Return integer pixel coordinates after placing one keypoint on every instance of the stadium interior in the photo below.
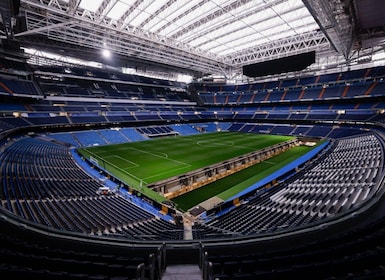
(97, 94)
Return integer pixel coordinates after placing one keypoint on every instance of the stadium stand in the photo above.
(53, 216)
(312, 196)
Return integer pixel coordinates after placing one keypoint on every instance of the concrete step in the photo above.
(182, 271)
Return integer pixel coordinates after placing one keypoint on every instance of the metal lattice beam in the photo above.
(163, 8)
(251, 39)
(310, 41)
(73, 5)
(334, 22)
(201, 36)
(92, 32)
(225, 10)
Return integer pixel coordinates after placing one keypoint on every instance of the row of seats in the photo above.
(33, 119)
(322, 131)
(354, 254)
(42, 183)
(31, 256)
(132, 134)
(124, 106)
(101, 74)
(325, 190)
(305, 81)
(369, 88)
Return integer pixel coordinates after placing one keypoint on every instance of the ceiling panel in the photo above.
(202, 35)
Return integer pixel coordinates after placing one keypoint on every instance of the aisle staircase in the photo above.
(182, 271)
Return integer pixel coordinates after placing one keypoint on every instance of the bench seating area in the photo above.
(346, 177)
(42, 183)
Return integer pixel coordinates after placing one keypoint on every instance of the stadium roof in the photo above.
(202, 37)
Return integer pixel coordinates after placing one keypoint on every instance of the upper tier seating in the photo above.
(339, 91)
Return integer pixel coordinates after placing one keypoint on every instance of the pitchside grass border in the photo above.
(140, 163)
(229, 186)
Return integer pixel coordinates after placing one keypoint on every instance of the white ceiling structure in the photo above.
(198, 37)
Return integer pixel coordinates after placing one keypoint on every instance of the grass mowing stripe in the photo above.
(184, 154)
(191, 155)
(266, 169)
(118, 160)
(165, 156)
(233, 184)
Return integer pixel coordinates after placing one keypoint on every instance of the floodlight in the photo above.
(106, 53)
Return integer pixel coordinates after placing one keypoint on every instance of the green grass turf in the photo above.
(145, 162)
(233, 184)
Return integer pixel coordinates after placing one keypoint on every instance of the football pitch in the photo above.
(138, 164)
(229, 186)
